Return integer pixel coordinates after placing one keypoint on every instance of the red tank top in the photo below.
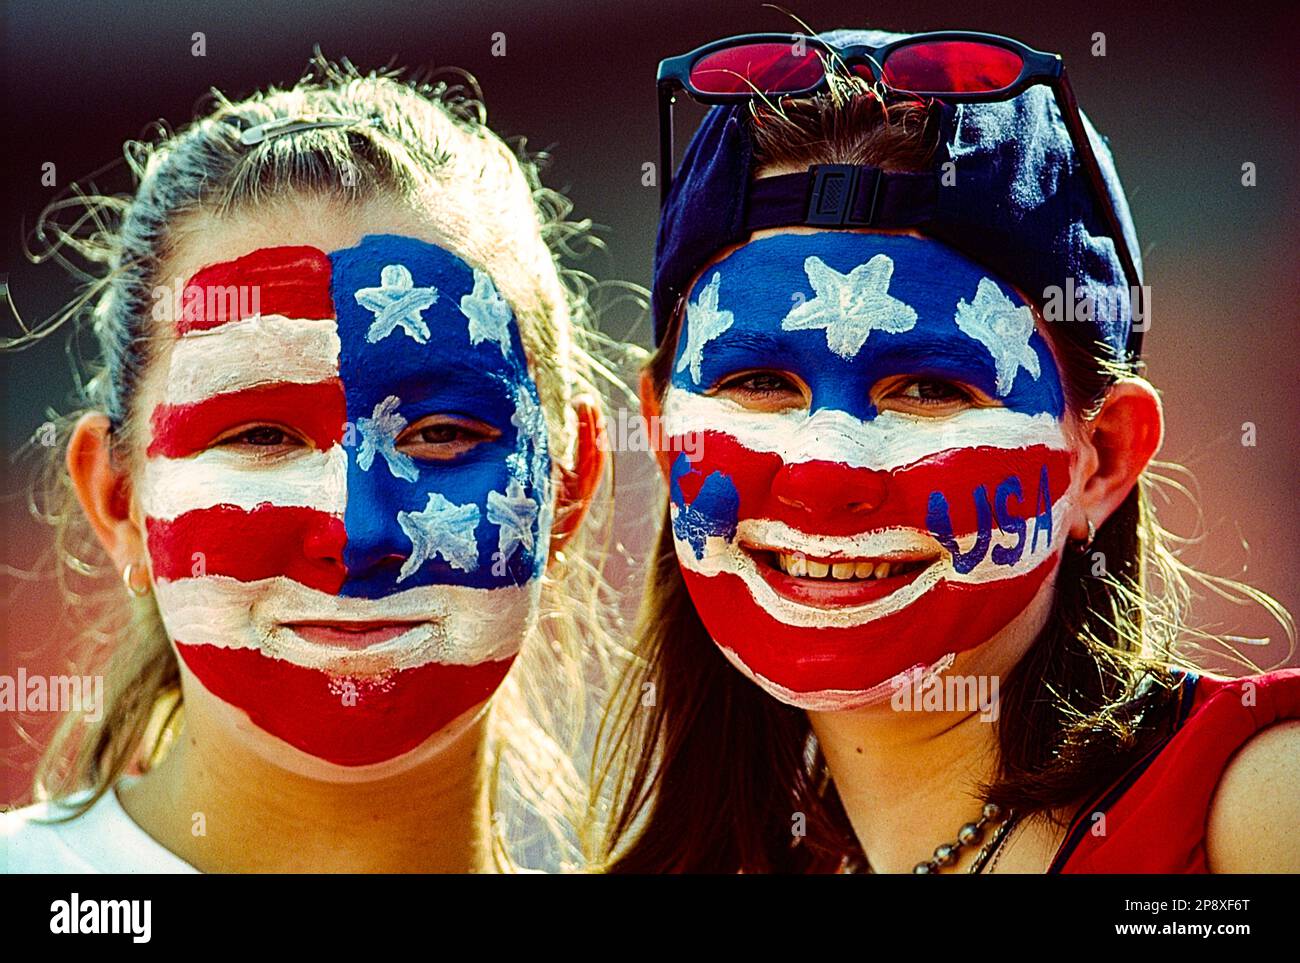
(1156, 813)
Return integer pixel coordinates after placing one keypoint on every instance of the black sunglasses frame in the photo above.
(1037, 67)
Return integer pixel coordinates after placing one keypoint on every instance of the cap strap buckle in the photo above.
(837, 192)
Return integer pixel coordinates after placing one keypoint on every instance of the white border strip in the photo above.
(889, 441)
(460, 625)
(256, 351)
(310, 479)
(835, 700)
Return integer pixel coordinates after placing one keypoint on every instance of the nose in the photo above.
(376, 545)
(372, 546)
(325, 543)
(826, 488)
(320, 564)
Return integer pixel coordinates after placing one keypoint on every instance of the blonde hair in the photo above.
(413, 142)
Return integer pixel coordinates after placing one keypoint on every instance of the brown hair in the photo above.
(707, 776)
(425, 137)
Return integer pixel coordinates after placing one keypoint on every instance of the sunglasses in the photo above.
(958, 66)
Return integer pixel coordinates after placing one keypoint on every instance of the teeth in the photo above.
(798, 565)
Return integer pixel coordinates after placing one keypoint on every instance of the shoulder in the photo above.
(1256, 807)
(1217, 795)
(43, 839)
(33, 843)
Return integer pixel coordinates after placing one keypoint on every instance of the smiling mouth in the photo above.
(350, 635)
(843, 570)
(836, 581)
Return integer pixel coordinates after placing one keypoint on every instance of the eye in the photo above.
(444, 437)
(763, 390)
(262, 439)
(932, 392)
(931, 395)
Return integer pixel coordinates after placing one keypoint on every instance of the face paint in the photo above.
(350, 597)
(933, 531)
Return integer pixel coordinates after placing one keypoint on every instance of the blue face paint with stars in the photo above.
(422, 333)
(844, 310)
(828, 543)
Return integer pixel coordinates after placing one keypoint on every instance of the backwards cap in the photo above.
(1021, 204)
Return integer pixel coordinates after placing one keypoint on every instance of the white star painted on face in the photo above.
(379, 436)
(996, 322)
(488, 312)
(527, 417)
(514, 513)
(397, 302)
(704, 322)
(441, 529)
(530, 425)
(850, 306)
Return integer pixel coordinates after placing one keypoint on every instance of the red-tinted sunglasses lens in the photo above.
(952, 66)
(772, 68)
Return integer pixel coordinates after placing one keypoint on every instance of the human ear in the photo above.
(104, 491)
(651, 416)
(1119, 444)
(578, 484)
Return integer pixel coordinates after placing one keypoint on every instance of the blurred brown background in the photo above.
(1187, 94)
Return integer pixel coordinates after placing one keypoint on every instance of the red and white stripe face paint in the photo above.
(882, 475)
(347, 493)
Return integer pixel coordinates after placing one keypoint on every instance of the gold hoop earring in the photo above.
(1087, 543)
(127, 580)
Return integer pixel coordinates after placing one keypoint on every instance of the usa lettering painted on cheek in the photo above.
(830, 546)
(353, 598)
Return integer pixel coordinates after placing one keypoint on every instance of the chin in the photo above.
(300, 721)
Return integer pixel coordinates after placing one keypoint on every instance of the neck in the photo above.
(909, 779)
(430, 818)
(907, 784)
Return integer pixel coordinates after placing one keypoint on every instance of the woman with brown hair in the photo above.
(910, 609)
(338, 451)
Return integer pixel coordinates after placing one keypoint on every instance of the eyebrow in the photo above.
(745, 340)
(951, 352)
(486, 384)
(955, 351)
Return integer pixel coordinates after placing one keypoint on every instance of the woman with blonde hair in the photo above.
(910, 609)
(342, 441)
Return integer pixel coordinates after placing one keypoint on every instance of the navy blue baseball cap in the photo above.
(1019, 202)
